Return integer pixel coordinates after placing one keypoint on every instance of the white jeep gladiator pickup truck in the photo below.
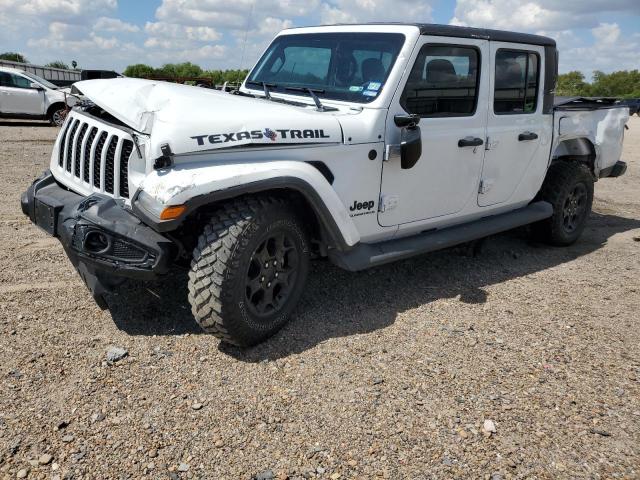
(361, 143)
(28, 96)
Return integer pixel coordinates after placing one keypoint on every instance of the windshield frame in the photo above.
(35, 78)
(326, 91)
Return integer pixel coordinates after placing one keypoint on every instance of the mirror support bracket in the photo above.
(392, 153)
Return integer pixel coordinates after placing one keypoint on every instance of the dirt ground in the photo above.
(389, 373)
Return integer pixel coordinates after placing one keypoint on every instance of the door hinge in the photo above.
(388, 202)
(490, 144)
(485, 186)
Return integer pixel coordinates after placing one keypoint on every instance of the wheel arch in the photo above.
(578, 149)
(305, 201)
(53, 107)
(204, 188)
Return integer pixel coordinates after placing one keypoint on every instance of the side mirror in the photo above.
(36, 86)
(407, 121)
(410, 140)
(410, 147)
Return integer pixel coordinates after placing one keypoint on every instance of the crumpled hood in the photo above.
(191, 119)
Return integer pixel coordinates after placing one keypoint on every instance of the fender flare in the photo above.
(50, 108)
(341, 232)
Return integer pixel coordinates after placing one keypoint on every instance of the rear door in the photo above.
(516, 135)
(447, 85)
(17, 96)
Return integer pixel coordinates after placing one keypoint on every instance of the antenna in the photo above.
(246, 33)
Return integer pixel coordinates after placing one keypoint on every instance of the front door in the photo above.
(448, 87)
(517, 137)
(17, 96)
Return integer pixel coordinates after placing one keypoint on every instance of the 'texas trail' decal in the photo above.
(272, 135)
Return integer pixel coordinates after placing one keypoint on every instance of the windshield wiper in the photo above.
(265, 86)
(312, 92)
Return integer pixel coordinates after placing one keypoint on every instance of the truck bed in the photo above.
(600, 120)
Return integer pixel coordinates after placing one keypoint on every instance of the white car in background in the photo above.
(28, 96)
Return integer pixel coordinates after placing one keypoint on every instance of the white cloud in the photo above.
(236, 14)
(58, 9)
(108, 24)
(609, 52)
(606, 34)
(230, 34)
(63, 37)
(270, 26)
(353, 11)
(532, 15)
(182, 32)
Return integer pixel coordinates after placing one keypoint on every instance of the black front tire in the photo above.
(569, 189)
(58, 116)
(248, 270)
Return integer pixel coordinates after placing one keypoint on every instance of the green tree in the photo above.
(14, 57)
(57, 64)
(234, 76)
(617, 84)
(184, 70)
(74, 64)
(215, 76)
(139, 70)
(572, 84)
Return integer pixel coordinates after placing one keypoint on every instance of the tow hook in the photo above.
(166, 160)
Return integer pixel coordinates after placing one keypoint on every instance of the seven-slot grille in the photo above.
(95, 156)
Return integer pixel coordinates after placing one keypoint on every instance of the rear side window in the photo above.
(516, 82)
(443, 82)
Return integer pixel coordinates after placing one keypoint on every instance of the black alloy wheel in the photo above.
(272, 273)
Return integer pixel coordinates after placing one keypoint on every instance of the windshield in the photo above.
(352, 67)
(40, 80)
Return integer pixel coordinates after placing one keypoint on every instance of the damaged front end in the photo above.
(104, 241)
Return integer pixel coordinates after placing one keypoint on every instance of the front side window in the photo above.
(516, 82)
(443, 82)
(40, 80)
(15, 81)
(6, 80)
(352, 67)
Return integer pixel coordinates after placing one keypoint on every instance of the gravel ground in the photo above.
(523, 362)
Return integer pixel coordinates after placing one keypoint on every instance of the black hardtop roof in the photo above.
(485, 34)
(470, 32)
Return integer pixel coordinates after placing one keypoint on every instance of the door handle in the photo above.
(470, 142)
(523, 137)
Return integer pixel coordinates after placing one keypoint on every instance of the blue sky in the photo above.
(591, 34)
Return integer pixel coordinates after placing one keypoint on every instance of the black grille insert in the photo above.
(109, 165)
(78, 145)
(69, 143)
(87, 154)
(63, 140)
(127, 148)
(98, 159)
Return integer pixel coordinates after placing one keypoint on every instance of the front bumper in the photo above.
(104, 241)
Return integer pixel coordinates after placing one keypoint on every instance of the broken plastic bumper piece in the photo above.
(104, 241)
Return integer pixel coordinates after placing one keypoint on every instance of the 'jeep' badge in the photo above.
(362, 208)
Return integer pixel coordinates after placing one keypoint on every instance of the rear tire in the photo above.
(569, 189)
(248, 270)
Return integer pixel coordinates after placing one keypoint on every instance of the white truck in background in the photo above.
(24, 95)
(365, 144)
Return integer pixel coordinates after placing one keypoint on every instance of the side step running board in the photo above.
(366, 255)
